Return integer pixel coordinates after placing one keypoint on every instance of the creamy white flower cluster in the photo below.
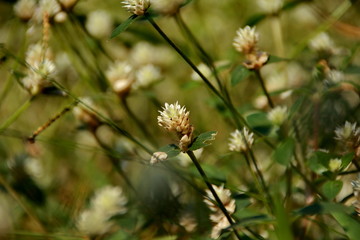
(246, 42)
(349, 135)
(175, 118)
(137, 7)
(107, 202)
(241, 141)
(217, 216)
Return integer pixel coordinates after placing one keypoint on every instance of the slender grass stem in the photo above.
(262, 83)
(16, 114)
(208, 184)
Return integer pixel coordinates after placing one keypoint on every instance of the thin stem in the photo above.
(16, 114)
(208, 184)
(253, 174)
(262, 83)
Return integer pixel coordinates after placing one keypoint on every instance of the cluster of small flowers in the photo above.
(41, 67)
(175, 118)
(322, 43)
(349, 134)
(33, 10)
(217, 216)
(107, 202)
(246, 42)
(241, 141)
(278, 115)
(165, 7)
(356, 189)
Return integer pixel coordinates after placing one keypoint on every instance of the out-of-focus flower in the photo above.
(323, 43)
(216, 230)
(278, 115)
(204, 69)
(36, 53)
(166, 7)
(99, 24)
(270, 6)
(60, 17)
(246, 42)
(25, 9)
(137, 7)
(85, 115)
(241, 141)
(158, 157)
(93, 222)
(334, 164)
(49, 7)
(335, 76)
(146, 75)
(110, 200)
(188, 222)
(175, 118)
(347, 132)
(120, 75)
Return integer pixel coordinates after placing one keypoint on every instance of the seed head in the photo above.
(138, 7)
(241, 141)
(246, 40)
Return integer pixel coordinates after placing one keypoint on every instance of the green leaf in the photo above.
(284, 152)
(350, 225)
(319, 161)
(346, 160)
(323, 208)
(259, 122)
(238, 74)
(166, 238)
(202, 140)
(332, 188)
(352, 69)
(171, 150)
(283, 223)
(255, 19)
(123, 26)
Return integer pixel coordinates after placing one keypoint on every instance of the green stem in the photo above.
(16, 114)
(262, 83)
(208, 184)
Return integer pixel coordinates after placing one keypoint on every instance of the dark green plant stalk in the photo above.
(208, 184)
(262, 83)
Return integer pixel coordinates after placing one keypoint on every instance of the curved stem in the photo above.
(208, 184)
(262, 83)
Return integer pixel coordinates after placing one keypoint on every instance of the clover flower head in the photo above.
(93, 222)
(225, 197)
(146, 75)
(25, 9)
(241, 141)
(120, 75)
(109, 200)
(278, 115)
(322, 43)
(137, 7)
(347, 132)
(216, 230)
(99, 24)
(158, 157)
(246, 40)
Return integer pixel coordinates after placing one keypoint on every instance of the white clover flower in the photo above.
(240, 141)
(335, 76)
(188, 222)
(278, 115)
(93, 222)
(204, 69)
(216, 230)
(225, 197)
(120, 75)
(99, 24)
(166, 7)
(109, 200)
(146, 75)
(334, 164)
(322, 42)
(36, 54)
(50, 7)
(347, 131)
(158, 157)
(270, 6)
(137, 7)
(25, 9)
(142, 54)
(246, 40)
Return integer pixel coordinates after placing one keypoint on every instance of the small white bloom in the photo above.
(246, 40)
(241, 141)
(216, 230)
(173, 117)
(146, 75)
(109, 200)
(270, 6)
(334, 164)
(99, 24)
(93, 222)
(322, 42)
(225, 197)
(25, 9)
(137, 7)
(158, 157)
(204, 69)
(120, 75)
(278, 115)
(188, 222)
(166, 7)
(36, 54)
(347, 131)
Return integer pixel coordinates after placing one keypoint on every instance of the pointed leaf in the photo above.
(284, 152)
(202, 140)
(332, 188)
(350, 225)
(123, 26)
(238, 74)
(259, 122)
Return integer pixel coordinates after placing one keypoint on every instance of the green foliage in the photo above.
(123, 26)
(202, 140)
(283, 153)
(239, 74)
(332, 188)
